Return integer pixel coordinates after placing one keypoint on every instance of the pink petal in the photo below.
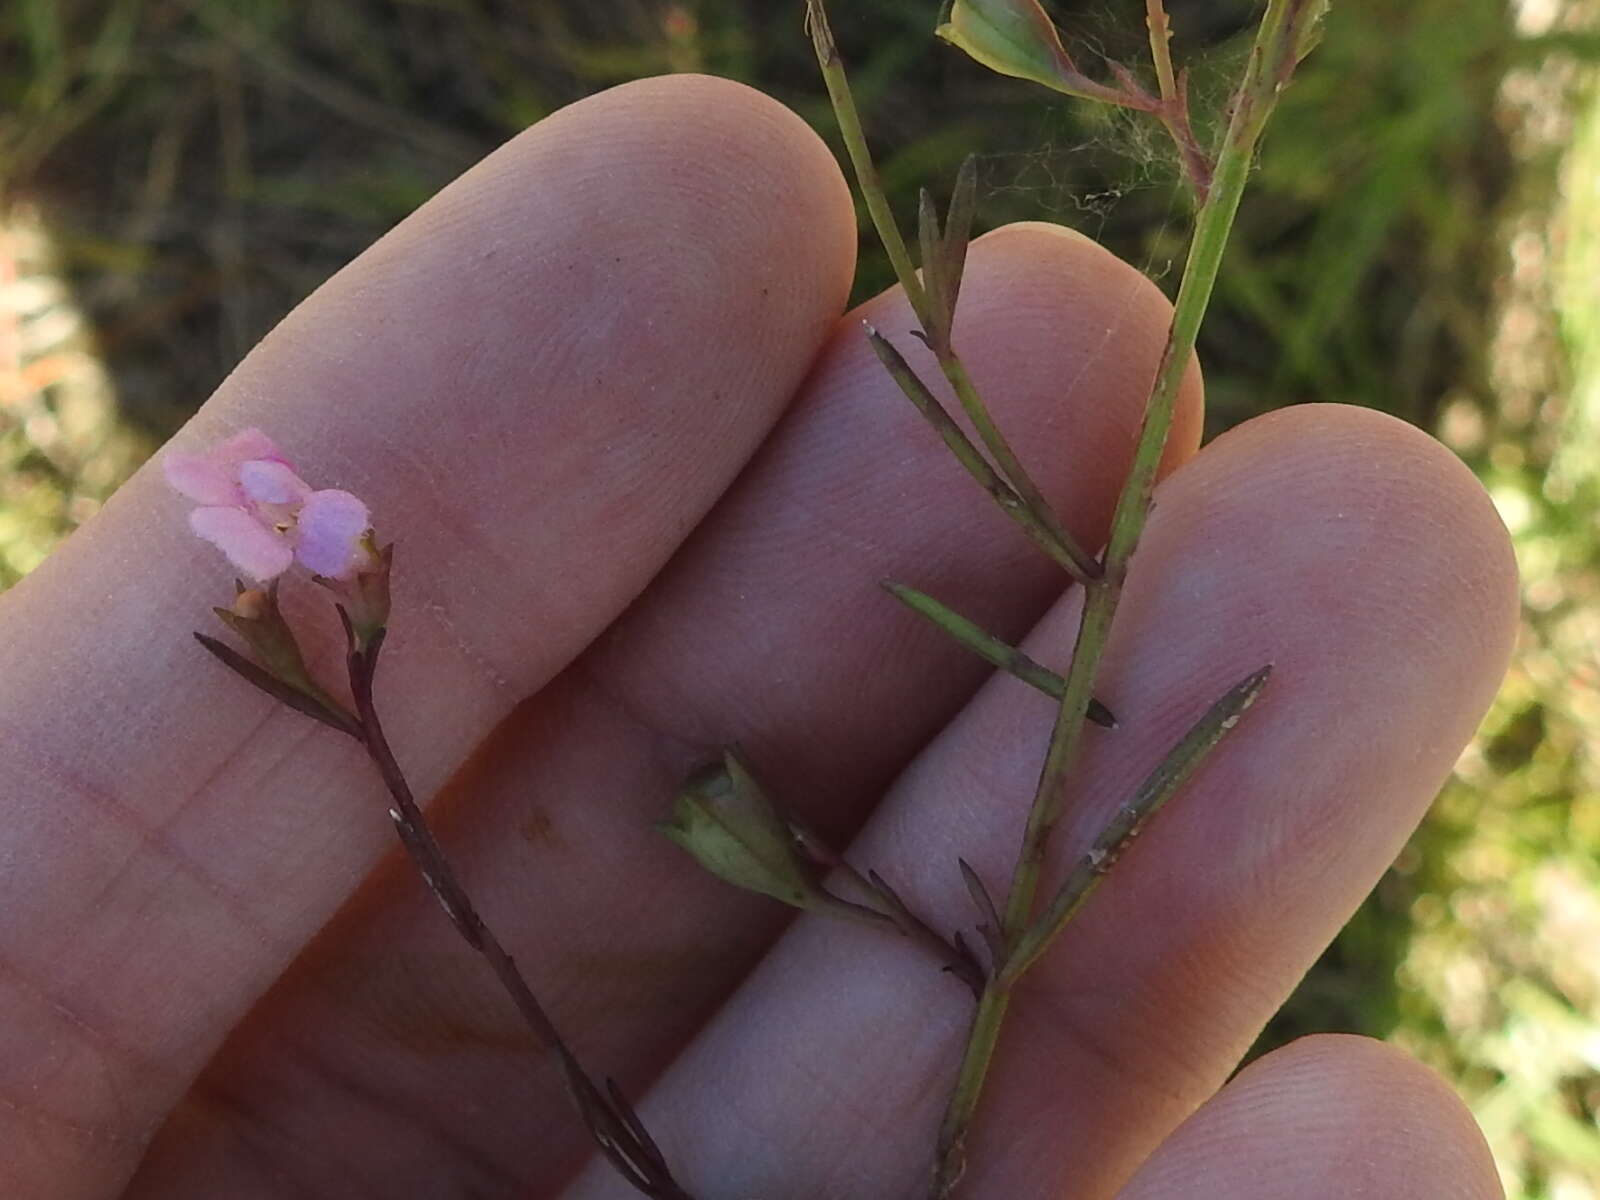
(212, 477)
(270, 481)
(200, 479)
(251, 546)
(332, 524)
(247, 444)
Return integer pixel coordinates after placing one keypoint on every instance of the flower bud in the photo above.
(1013, 37)
(364, 595)
(256, 617)
(723, 818)
(369, 608)
(250, 604)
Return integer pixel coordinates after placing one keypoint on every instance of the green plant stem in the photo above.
(1174, 770)
(1279, 39)
(1159, 786)
(1030, 517)
(1065, 550)
(855, 144)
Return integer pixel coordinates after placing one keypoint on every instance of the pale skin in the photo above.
(643, 474)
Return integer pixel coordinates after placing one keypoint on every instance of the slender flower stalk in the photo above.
(613, 1124)
(1161, 48)
(725, 819)
(1174, 107)
(265, 519)
(855, 142)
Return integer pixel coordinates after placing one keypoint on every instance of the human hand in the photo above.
(643, 479)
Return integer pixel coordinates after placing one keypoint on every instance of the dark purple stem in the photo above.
(612, 1124)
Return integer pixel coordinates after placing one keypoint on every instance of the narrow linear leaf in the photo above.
(933, 271)
(958, 228)
(889, 895)
(981, 899)
(617, 1156)
(871, 187)
(1016, 494)
(1312, 29)
(1077, 564)
(274, 687)
(352, 644)
(991, 649)
(955, 956)
(989, 921)
(1179, 763)
(971, 965)
(954, 438)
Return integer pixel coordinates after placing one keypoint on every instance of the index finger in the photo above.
(539, 383)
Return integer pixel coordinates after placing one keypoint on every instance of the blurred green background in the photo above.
(1423, 237)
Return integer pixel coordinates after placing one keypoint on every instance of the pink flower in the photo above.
(263, 516)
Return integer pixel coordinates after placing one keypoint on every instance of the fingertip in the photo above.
(1418, 554)
(1055, 270)
(1065, 271)
(737, 144)
(1327, 1116)
(1368, 565)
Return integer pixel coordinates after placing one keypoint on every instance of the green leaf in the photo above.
(1171, 773)
(958, 225)
(296, 699)
(940, 303)
(991, 649)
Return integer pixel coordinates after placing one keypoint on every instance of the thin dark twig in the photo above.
(636, 1159)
